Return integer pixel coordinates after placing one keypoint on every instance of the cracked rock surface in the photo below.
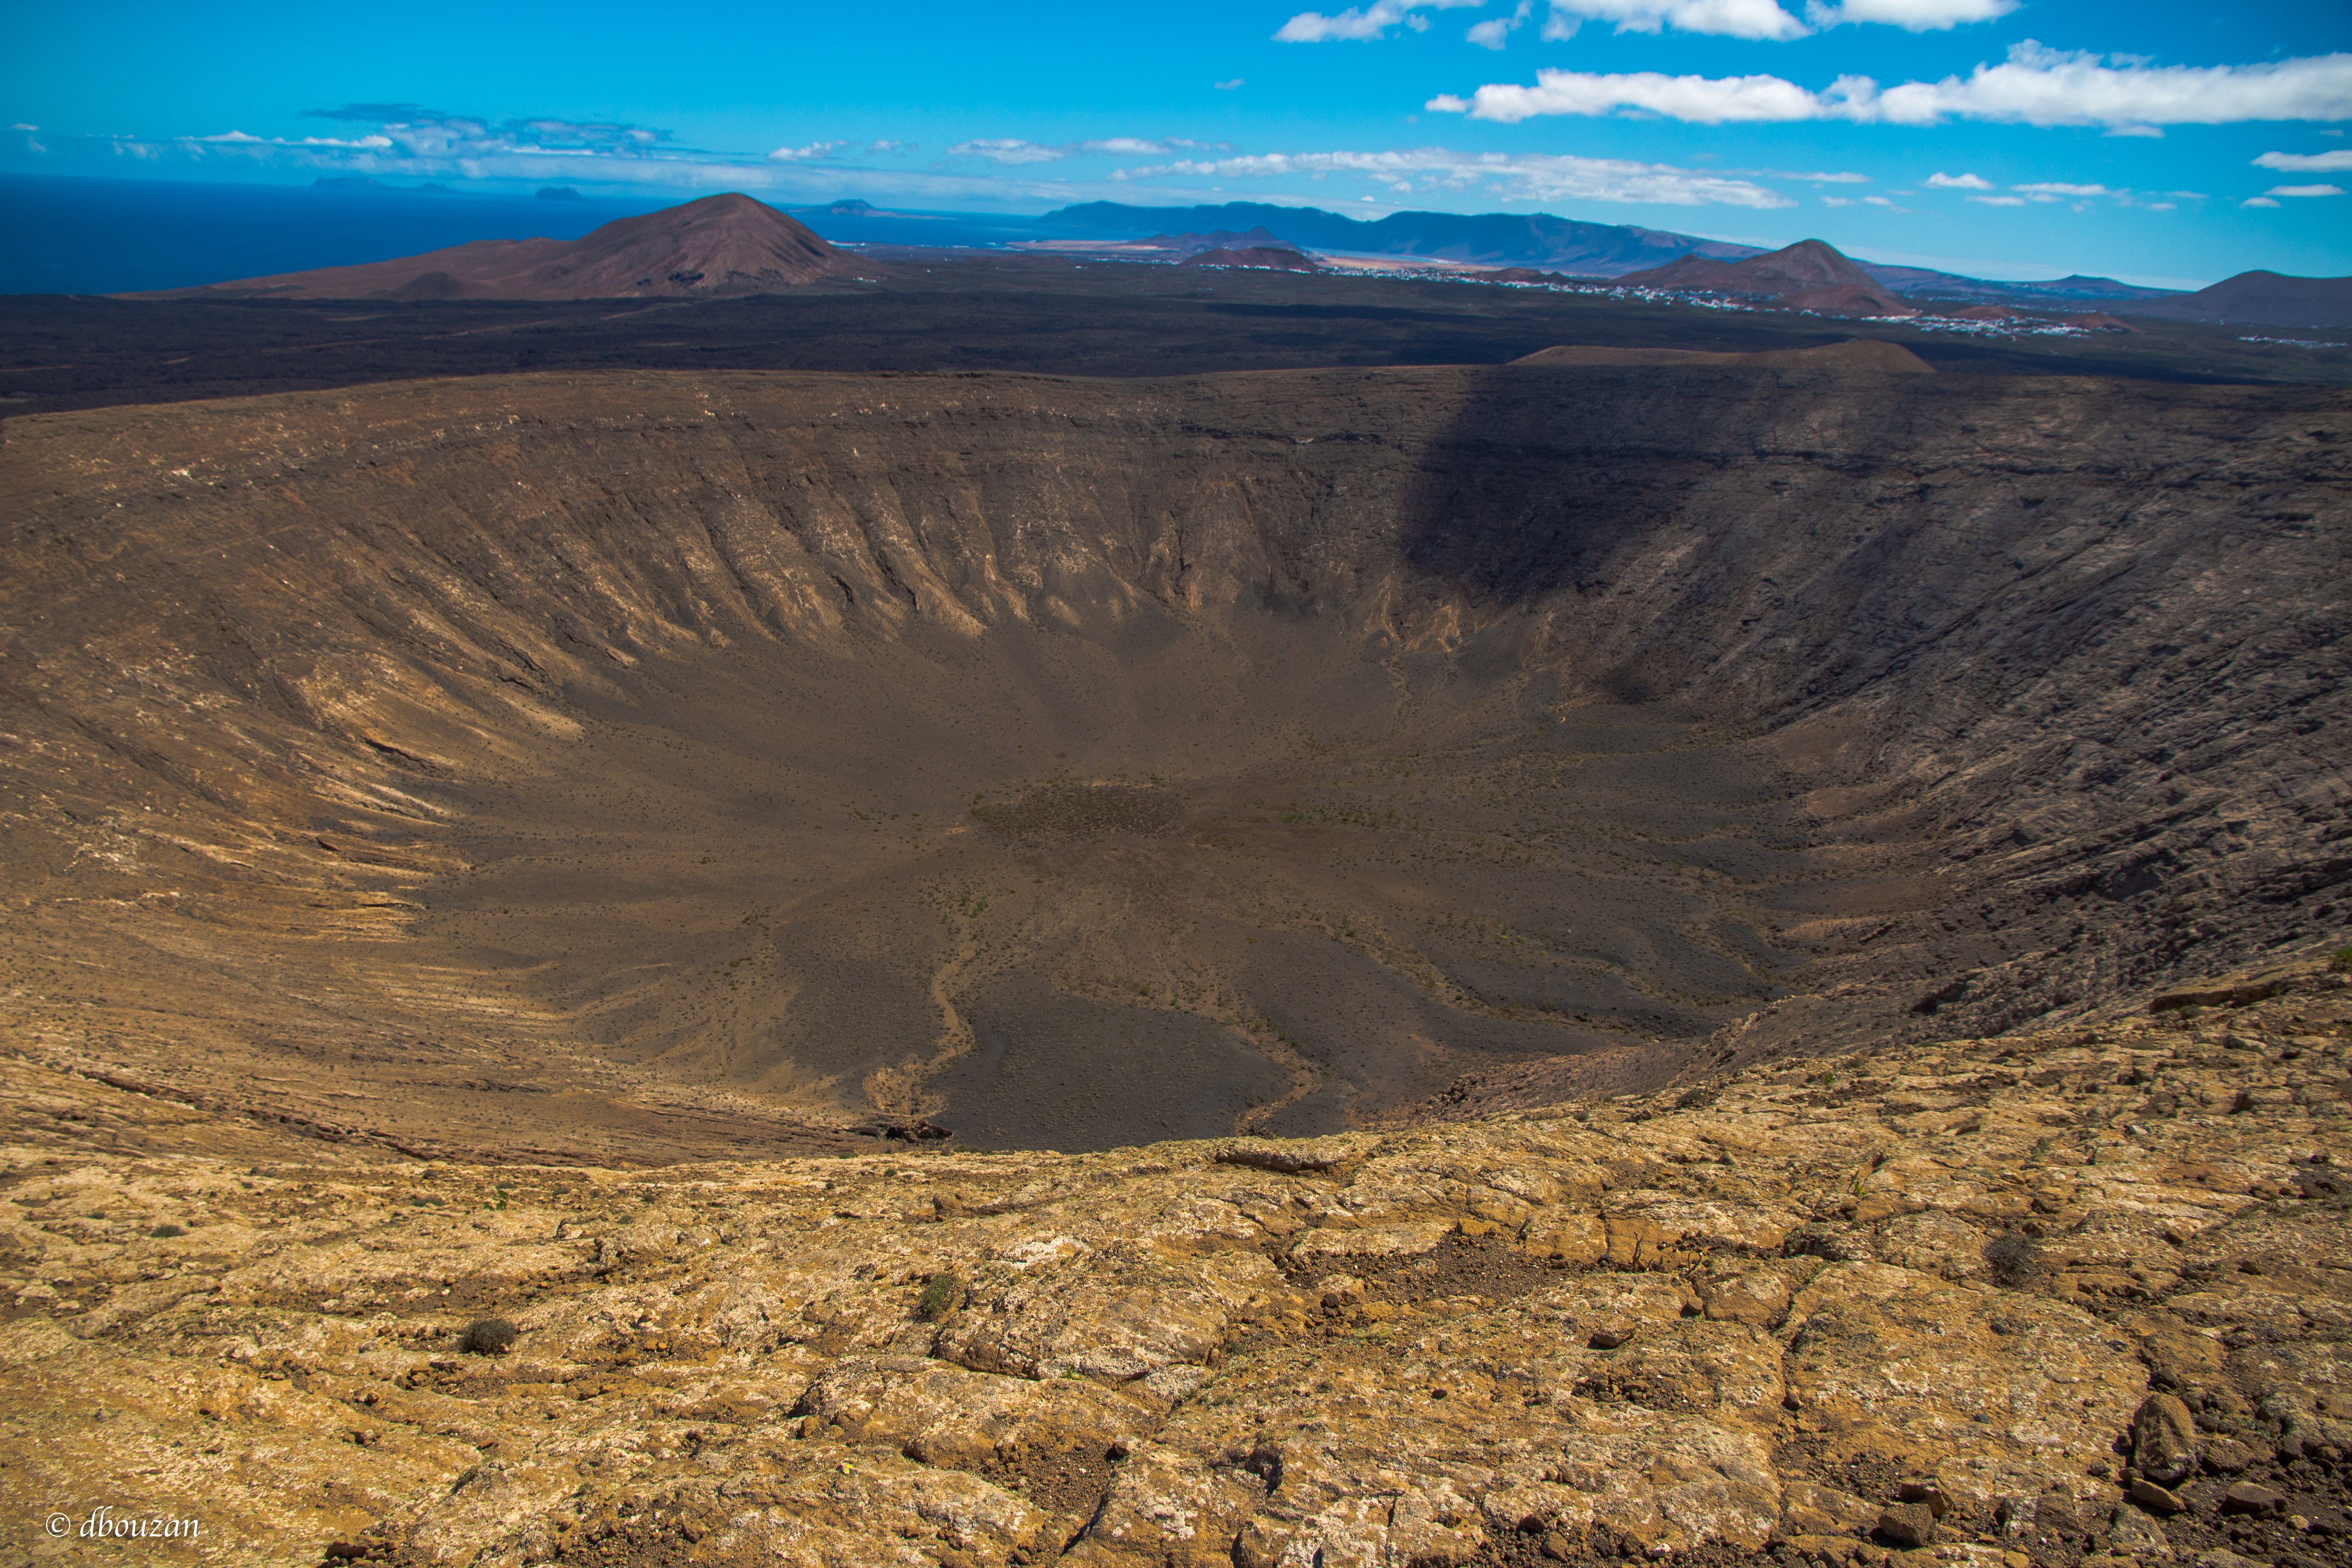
(1965, 1293)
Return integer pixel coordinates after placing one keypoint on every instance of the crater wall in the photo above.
(588, 763)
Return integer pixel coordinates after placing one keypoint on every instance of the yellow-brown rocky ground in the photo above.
(1729, 1319)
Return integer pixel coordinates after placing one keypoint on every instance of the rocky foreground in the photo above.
(2078, 1296)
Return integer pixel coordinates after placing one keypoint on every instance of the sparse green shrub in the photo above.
(1084, 811)
(167, 1230)
(2342, 962)
(489, 1336)
(940, 1293)
(2012, 1257)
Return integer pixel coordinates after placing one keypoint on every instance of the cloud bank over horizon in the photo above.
(2034, 86)
(2108, 133)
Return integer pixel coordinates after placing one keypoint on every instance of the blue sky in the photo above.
(2158, 142)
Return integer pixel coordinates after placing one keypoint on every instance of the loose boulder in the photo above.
(2164, 1441)
(1908, 1524)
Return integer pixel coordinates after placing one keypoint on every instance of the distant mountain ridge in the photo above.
(1541, 240)
(1922, 280)
(1594, 249)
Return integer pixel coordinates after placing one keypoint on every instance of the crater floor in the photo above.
(1088, 915)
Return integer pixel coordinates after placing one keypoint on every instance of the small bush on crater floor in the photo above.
(940, 1293)
(2012, 1257)
(168, 1230)
(1085, 811)
(489, 1336)
(2342, 962)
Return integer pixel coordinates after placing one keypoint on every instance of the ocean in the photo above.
(79, 236)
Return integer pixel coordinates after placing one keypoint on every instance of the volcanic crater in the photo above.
(638, 766)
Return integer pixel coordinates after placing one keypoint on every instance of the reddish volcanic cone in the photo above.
(2264, 299)
(1811, 275)
(720, 244)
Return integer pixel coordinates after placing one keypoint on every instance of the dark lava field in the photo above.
(631, 764)
(943, 311)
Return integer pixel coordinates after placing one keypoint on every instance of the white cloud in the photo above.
(2258, 201)
(2290, 163)
(1362, 24)
(2052, 189)
(1495, 31)
(1837, 201)
(1885, 201)
(1015, 174)
(1012, 150)
(235, 138)
(1707, 100)
(1999, 201)
(813, 149)
(2305, 191)
(1943, 182)
(1006, 150)
(2035, 86)
(1728, 18)
(1911, 16)
(1765, 18)
(1230, 86)
(1525, 176)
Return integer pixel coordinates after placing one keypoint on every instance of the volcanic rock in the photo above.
(1867, 354)
(2247, 1497)
(2164, 1441)
(2226, 1456)
(1908, 1524)
(1929, 1494)
(731, 1360)
(719, 245)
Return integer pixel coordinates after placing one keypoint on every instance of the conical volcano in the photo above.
(1811, 275)
(726, 243)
